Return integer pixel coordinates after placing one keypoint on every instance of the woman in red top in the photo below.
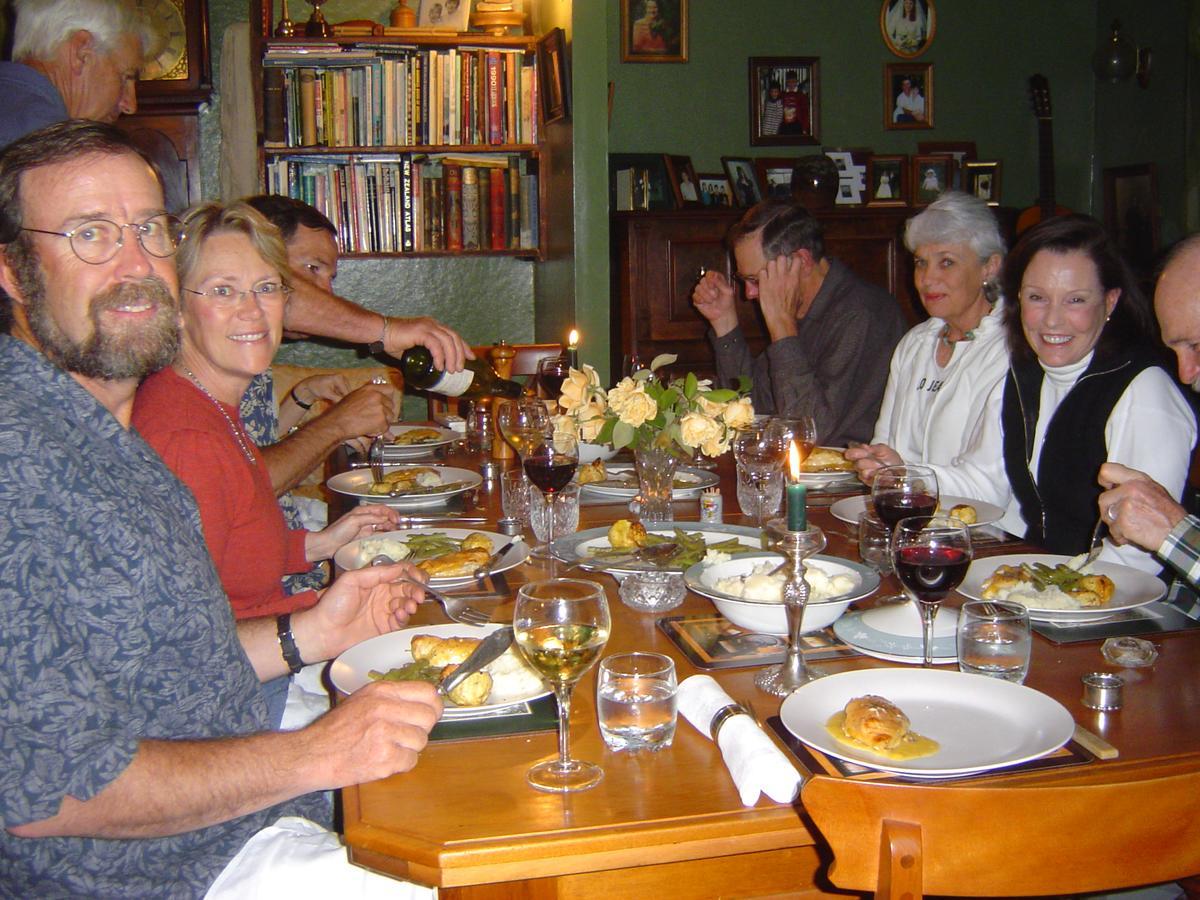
(232, 275)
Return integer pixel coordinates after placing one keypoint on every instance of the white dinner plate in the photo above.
(350, 671)
(356, 482)
(577, 547)
(848, 509)
(354, 556)
(893, 632)
(980, 723)
(820, 479)
(1133, 587)
(413, 451)
(622, 483)
(701, 577)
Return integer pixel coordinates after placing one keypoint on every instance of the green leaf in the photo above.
(720, 395)
(744, 384)
(622, 435)
(691, 384)
(663, 359)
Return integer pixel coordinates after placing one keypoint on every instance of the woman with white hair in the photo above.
(944, 368)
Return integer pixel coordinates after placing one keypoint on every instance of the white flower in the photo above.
(696, 429)
(579, 385)
(739, 413)
(631, 403)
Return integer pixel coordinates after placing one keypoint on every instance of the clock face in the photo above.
(167, 18)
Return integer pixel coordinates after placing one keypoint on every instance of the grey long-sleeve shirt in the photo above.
(834, 369)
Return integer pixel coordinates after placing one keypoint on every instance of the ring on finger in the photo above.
(1111, 512)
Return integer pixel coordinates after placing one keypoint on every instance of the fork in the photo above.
(456, 609)
(375, 457)
(1096, 546)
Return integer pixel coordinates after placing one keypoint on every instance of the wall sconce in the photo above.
(1118, 58)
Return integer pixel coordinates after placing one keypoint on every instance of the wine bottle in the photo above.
(478, 379)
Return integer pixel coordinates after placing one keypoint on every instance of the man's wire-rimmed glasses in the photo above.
(98, 240)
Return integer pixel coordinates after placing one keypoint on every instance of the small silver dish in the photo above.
(1102, 690)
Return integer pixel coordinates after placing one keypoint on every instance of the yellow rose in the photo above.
(709, 408)
(739, 413)
(578, 386)
(638, 408)
(695, 429)
(716, 446)
(591, 419)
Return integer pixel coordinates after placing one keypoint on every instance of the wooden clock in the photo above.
(182, 70)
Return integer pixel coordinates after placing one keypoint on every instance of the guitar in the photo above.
(1039, 93)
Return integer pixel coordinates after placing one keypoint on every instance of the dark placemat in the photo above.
(1154, 618)
(542, 716)
(818, 763)
(713, 642)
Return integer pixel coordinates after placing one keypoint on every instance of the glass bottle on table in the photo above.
(477, 379)
(561, 626)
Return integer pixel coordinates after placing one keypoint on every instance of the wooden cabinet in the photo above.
(657, 257)
(414, 143)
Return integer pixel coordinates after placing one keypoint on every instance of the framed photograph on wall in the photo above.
(715, 189)
(931, 175)
(907, 26)
(982, 180)
(1131, 212)
(450, 15)
(684, 182)
(654, 31)
(887, 181)
(907, 95)
(746, 190)
(775, 175)
(784, 100)
(552, 72)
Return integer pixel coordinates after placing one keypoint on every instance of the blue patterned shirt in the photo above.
(1181, 551)
(115, 629)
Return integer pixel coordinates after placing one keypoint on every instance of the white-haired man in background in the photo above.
(74, 59)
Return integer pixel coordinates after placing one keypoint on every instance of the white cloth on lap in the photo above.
(756, 764)
(298, 859)
(307, 698)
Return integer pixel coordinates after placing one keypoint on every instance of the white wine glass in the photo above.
(561, 626)
(523, 422)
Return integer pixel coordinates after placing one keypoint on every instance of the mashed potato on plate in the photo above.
(762, 586)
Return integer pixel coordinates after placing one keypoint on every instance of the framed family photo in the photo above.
(784, 100)
(887, 181)
(775, 175)
(907, 26)
(715, 189)
(742, 179)
(931, 175)
(639, 181)
(907, 96)
(451, 15)
(982, 180)
(684, 183)
(654, 31)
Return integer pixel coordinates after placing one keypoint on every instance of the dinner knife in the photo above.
(481, 572)
(490, 648)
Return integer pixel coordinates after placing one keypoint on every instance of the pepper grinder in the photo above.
(797, 546)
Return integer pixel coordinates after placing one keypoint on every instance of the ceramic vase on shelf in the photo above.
(656, 480)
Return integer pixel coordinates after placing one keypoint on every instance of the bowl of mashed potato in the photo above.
(748, 591)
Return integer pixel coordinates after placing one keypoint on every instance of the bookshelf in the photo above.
(413, 143)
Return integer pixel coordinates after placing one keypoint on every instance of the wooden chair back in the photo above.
(905, 840)
(524, 365)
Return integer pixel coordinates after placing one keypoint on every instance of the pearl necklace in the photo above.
(237, 434)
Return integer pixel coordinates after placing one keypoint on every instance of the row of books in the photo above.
(415, 203)
(387, 96)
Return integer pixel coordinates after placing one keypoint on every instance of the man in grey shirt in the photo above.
(832, 334)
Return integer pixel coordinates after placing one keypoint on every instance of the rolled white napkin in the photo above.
(756, 764)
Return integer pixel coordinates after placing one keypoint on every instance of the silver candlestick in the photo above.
(781, 680)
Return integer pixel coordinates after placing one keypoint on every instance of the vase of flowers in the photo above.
(663, 421)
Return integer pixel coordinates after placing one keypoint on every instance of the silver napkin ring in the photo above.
(723, 715)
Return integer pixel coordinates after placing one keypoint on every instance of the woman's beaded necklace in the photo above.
(237, 433)
(945, 338)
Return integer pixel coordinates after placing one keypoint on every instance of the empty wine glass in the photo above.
(759, 450)
(522, 422)
(561, 626)
(552, 371)
(931, 555)
(800, 430)
(550, 463)
(902, 491)
(630, 363)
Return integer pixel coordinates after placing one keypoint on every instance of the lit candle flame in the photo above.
(794, 461)
(573, 340)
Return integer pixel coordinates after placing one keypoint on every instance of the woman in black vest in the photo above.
(1085, 385)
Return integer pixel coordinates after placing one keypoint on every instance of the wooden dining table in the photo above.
(671, 823)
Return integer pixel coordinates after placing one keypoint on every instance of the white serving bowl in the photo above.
(771, 618)
(592, 452)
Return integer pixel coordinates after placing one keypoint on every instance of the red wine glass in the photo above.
(931, 555)
(902, 491)
(550, 463)
(552, 371)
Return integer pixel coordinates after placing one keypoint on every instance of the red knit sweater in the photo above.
(243, 524)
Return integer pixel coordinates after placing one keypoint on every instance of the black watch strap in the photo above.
(287, 643)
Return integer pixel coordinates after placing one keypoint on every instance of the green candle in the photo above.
(797, 509)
